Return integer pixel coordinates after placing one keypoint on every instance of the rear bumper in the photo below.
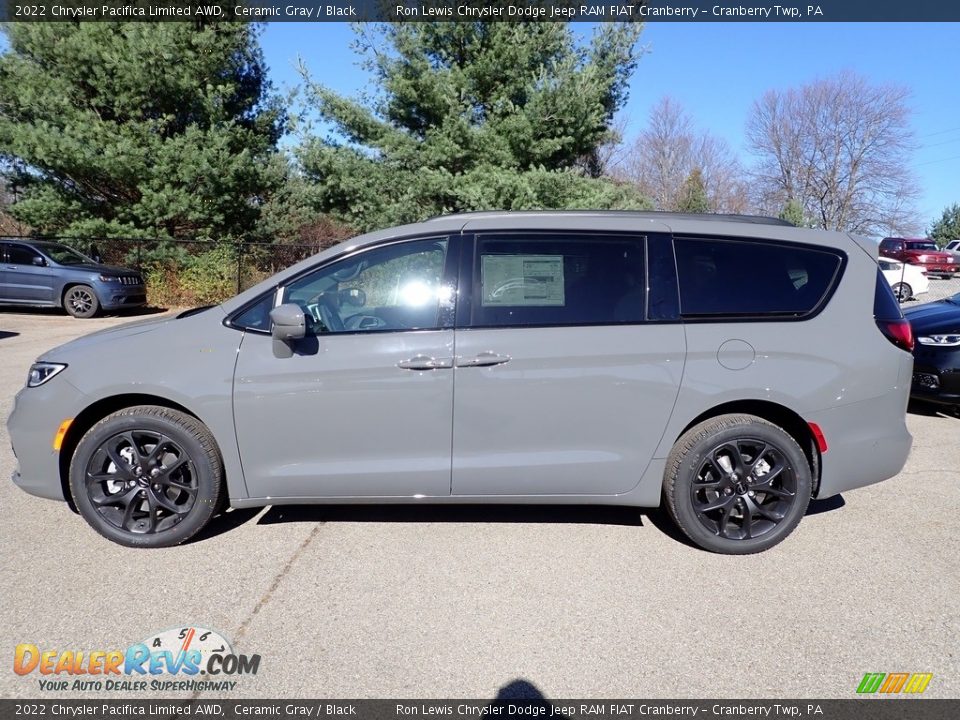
(868, 442)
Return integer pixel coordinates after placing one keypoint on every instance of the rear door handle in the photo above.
(425, 362)
(484, 359)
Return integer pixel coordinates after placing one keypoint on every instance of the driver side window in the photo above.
(395, 287)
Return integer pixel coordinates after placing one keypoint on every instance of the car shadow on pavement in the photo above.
(918, 407)
(136, 312)
(7, 334)
(224, 522)
(570, 514)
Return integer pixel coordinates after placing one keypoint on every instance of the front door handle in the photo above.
(425, 362)
(484, 359)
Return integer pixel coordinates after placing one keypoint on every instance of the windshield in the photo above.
(66, 256)
(921, 246)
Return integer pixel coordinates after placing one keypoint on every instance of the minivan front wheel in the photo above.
(147, 476)
(737, 484)
(81, 301)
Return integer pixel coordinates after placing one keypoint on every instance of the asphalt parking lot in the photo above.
(465, 602)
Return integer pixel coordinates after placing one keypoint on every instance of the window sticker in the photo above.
(522, 280)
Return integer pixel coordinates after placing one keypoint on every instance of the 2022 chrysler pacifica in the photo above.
(731, 368)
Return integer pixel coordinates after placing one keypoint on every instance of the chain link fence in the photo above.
(192, 272)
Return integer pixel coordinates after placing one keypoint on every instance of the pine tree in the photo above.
(473, 116)
(693, 194)
(947, 227)
(136, 129)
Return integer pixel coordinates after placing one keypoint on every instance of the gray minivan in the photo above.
(729, 367)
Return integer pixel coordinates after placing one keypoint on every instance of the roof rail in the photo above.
(639, 214)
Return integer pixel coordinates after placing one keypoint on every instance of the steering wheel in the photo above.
(364, 322)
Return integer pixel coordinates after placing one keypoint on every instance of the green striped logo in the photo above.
(890, 683)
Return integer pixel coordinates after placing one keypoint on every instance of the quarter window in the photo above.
(549, 280)
(745, 278)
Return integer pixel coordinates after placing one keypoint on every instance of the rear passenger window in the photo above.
(549, 280)
(753, 279)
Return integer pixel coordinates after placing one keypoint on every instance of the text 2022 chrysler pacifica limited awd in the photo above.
(732, 368)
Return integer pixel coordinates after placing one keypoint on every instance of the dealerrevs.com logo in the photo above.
(180, 659)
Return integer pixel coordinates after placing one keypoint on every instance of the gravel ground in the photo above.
(462, 602)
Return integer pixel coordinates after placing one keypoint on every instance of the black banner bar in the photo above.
(498, 709)
(485, 10)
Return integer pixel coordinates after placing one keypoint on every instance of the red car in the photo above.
(920, 252)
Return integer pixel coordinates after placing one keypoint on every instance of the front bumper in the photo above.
(939, 268)
(936, 374)
(114, 296)
(37, 414)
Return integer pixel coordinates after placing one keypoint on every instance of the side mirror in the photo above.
(39, 261)
(288, 325)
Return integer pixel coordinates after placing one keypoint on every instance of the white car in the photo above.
(907, 280)
(953, 247)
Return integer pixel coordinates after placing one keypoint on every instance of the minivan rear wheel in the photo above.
(737, 484)
(147, 476)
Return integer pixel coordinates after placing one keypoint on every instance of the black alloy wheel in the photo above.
(147, 476)
(141, 481)
(737, 484)
(743, 489)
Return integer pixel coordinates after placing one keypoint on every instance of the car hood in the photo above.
(61, 352)
(940, 316)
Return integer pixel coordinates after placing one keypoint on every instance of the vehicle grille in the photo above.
(131, 280)
(926, 380)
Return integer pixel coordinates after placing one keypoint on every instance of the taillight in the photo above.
(898, 332)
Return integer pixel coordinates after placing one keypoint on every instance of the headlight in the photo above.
(110, 278)
(40, 372)
(952, 340)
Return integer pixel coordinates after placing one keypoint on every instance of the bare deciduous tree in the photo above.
(839, 147)
(669, 150)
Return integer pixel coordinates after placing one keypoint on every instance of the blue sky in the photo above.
(716, 70)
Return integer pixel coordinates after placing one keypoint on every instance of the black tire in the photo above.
(81, 301)
(147, 477)
(903, 291)
(734, 510)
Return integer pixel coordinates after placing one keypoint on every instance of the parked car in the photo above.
(924, 253)
(936, 370)
(953, 247)
(907, 281)
(734, 367)
(47, 274)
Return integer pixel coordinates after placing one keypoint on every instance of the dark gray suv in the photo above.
(47, 274)
(730, 368)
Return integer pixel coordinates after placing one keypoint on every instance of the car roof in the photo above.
(31, 241)
(637, 214)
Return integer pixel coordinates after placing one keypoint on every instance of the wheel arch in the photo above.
(95, 412)
(67, 284)
(780, 415)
